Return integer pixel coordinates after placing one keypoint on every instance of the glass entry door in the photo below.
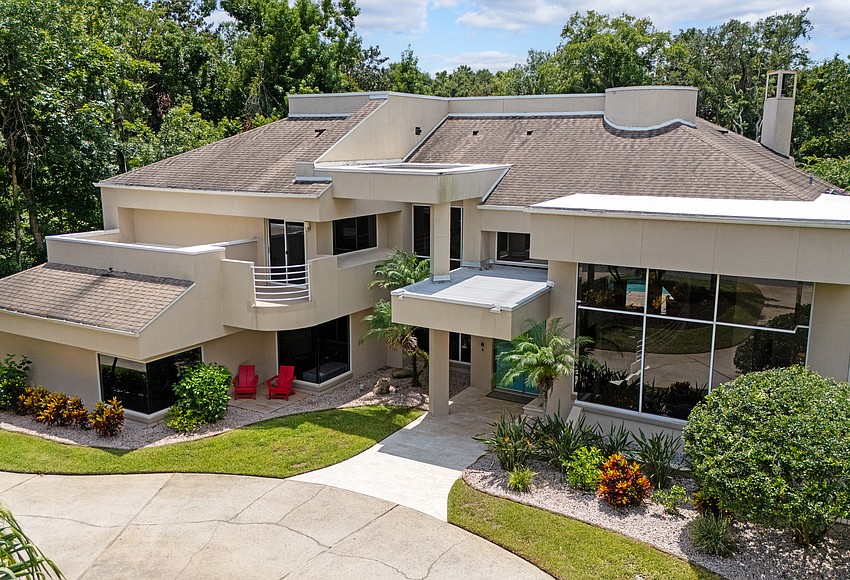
(287, 252)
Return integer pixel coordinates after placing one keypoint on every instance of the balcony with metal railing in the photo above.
(282, 284)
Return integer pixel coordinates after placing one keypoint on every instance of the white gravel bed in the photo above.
(136, 435)
(763, 553)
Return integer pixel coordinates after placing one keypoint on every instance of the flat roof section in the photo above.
(497, 303)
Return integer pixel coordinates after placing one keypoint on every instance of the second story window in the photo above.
(352, 234)
(422, 233)
(515, 247)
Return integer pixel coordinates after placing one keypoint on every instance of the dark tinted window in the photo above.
(352, 234)
(319, 353)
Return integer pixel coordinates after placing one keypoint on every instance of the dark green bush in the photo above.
(713, 535)
(671, 499)
(201, 396)
(774, 447)
(107, 419)
(13, 379)
(510, 441)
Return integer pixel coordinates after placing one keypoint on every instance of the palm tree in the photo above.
(542, 355)
(399, 269)
(19, 558)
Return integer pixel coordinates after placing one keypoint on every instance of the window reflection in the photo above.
(612, 287)
(681, 294)
(758, 302)
(743, 350)
(612, 377)
(676, 363)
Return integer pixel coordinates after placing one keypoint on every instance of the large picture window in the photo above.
(422, 234)
(319, 353)
(662, 339)
(143, 387)
(358, 233)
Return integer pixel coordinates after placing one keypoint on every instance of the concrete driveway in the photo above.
(221, 526)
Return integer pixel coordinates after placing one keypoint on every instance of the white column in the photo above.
(562, 304)
(438, 372)
(441, 233)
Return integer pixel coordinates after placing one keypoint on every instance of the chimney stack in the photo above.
(779, 96)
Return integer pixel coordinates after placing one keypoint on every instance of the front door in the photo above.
(287, 252)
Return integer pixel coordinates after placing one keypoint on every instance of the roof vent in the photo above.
(475, 132)
(529, 131)
(319, 132)
(723, 131)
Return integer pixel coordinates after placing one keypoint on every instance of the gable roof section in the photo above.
(567, 155)
(261, 160)
(118, 301)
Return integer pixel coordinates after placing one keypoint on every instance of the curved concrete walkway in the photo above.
(416, 466)
(222, 526)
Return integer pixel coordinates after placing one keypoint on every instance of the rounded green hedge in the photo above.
(774, 447)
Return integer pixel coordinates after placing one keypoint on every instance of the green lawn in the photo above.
(562, 546)
(275, 448)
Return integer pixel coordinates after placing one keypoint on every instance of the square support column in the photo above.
(562, 304)
(481, 362)
(441, 235)
(438, 372)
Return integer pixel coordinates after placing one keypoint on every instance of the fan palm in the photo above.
(19, 558)
(542, 355)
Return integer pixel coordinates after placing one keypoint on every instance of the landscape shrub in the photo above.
(55, 409)
(519, 479)
(556, 440)
(713, 535)
(706, 504)
(655, 455)
(616, 440)
(622, 484)
(31, 400)
(774, 447)
(13, 379)
(107, 419)
(583, 468)
(201, 396)
(672, 499)
(510, 441)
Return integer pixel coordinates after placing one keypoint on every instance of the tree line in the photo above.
(91, 88)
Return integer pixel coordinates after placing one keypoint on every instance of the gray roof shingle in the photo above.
(566, 155)
(261, 160)
(118, 301)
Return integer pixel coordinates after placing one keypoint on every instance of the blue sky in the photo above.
(496, 34)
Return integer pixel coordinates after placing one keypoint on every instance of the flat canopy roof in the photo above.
(826, 210)
(501, 287)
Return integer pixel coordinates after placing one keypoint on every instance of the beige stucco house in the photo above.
(687, 253)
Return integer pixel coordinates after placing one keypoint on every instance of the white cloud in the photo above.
(490, 59)
(511, 15)
(396, 16)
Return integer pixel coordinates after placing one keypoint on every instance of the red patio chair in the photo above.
(282, 386)
(245, 383)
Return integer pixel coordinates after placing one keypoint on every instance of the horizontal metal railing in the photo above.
(282, 283)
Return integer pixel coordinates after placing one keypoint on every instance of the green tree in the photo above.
(398, 270)
(523, 79)
(822, 121)
(600, 52)
(405, 77)
(464, 82)
(729, 64)
(19, 557)
(542, 355)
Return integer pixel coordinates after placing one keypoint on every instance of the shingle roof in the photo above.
(568, 155)
(117, 301)
(261, 160)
